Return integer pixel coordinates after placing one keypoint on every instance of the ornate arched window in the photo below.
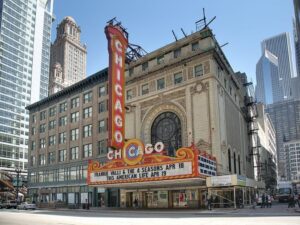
(167, 129)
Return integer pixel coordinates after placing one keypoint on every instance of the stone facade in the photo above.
(68, 52)
(208, 103)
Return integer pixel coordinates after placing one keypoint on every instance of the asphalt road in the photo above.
(279, 214)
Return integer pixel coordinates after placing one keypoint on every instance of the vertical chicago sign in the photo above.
(117, 45)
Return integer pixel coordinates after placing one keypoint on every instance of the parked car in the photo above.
(10, 204)
(26, 205)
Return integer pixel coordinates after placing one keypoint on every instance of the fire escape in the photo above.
(251, 115)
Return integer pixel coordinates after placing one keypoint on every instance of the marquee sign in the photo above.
(139, 163)
(117, 45)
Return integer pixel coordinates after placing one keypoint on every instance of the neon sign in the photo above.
(117, 45)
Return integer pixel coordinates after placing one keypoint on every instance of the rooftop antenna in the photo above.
(224, 45)
(174, 35)
(183, 32)
(202, 24)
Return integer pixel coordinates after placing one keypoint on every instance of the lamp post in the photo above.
(18, 171)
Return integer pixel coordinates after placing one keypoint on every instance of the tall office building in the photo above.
(297, 33)
(279, 46)
(25, 28)
(285, 116)
(268, 88)
(68, 56)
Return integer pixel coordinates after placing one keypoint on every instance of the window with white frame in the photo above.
(87, 150)
(87, 112)
(74, 135)
(178, 78)
(198, 70)
(74, 153)
(87, 130)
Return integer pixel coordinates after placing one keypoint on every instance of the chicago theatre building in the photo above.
(186, 134)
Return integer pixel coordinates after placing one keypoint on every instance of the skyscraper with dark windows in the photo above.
(25, 27)
(268, 88)
(278, 46)
(297, 33)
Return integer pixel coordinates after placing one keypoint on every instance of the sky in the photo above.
(243, 24)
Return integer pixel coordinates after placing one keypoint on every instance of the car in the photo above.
(10, 204)
(26, 205)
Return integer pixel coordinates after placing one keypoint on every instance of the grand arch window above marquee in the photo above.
(167, 129)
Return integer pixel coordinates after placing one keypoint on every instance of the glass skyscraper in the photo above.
(279, 46)
(25, 27)
(268, 88)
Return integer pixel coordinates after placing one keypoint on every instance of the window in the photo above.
(75, 102)
(62, 155)
(102, 147)
(74, 153)
(62, 137)
(177, 53)
(167, 128)
(51, 157)
(225, 83)
(32, 160)
(145, 89)
(198, 70)
(52, 140)
(129, 94)
(87, 130)
(33, 145)
(102, 91)
(234, 162)
(130, 72)
(102, 127)
(74, 117)
(161, 84)
(239, 164)
(74, 134)
(87, 150)
(87, 112)
(33, 119)
(52, 111)
(33, 131)
(42, 143)
(87, 97)
(63, 121)
(52, 124)
(102, 106)
(219, 71)
(178, 78)
(229, 160)
(43, 115)
(195, 46)
(144, 66)
(63, 107)
(42, 160)
(230, 90)
(160, 60)
(42, 128)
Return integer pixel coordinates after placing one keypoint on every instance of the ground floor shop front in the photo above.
(189, 197)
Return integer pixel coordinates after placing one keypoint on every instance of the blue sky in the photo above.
(243, 24)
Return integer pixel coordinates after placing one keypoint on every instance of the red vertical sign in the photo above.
(117, 45)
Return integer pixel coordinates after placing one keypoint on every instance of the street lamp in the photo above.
(18, 171)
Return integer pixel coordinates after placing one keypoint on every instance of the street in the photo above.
(278, 214)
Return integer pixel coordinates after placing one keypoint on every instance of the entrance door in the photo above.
(149, 199)
(129, 199)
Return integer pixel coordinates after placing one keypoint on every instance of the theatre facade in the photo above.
(184, 123)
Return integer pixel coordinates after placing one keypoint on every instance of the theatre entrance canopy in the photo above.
(139, 166)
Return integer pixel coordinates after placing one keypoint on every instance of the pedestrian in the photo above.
(135, 202)
(271, 199)
(267, 201)
(209, 201)
(254, 202)
(291, 201)
(263, 201)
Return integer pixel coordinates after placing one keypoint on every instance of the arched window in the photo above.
(229, 160)
(167, 129)
(234, 162)
(239, 163)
